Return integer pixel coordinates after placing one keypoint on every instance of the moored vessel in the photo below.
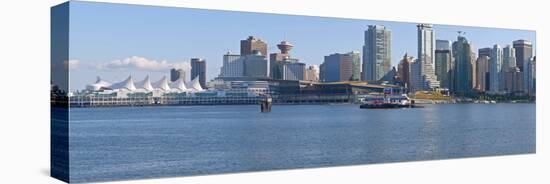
(388, 102)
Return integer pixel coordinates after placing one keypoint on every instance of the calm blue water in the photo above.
(144, 142)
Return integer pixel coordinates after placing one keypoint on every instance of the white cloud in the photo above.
(141, 63)
(72, 64)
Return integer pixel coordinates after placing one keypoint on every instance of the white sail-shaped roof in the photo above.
(179, 85)
(98, 85)
(127, 84)
(145, 84)
(195, 84)
(162, 84)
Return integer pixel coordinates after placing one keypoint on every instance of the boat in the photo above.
(385, 102)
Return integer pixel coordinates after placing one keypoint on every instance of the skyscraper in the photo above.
(463, 70)
(426, 52)
(509, 70)
(277, 60)
(513, 81)
(176, 73)
(530, 77)
(337, 67)
(483, 80)
(293, 71)
(524, 52)
(283, 67)
(356, 60)
(251, 44)
(255, 65)
(474, 67)
(482, 73)
(376, 52)
(233, 65)
(404, 70)
(443, 62)
(495, 69)
(415, 76)
(485, 52)
(508, 58)
(443, 45)
(198, 69)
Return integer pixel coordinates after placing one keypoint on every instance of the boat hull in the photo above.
(387, 106)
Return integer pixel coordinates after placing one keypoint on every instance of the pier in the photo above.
(109, 101)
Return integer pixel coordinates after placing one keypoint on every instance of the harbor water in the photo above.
(120, 143)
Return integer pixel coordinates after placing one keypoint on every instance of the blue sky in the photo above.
(115, 40)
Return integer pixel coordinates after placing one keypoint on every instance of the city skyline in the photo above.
(176, 39)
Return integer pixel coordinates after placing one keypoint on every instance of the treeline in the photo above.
(497, 97)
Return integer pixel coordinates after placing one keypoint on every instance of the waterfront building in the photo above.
(230, 90)
(255, 65)
(276, 86)
(343, 90)
(126, 85)
(198, 69)
(99, 84)
(247, 88)
(443, 62)
(176, 73)
(162, 84)
(312, 73)
(146, 85)
(426, 52)
(463, 69)
(376, 52)
(337, 67)
(178, 85)
(404, 70)
(251, 44)
(233, 65)
(482, 71)
(229, 87)
(495, 69)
